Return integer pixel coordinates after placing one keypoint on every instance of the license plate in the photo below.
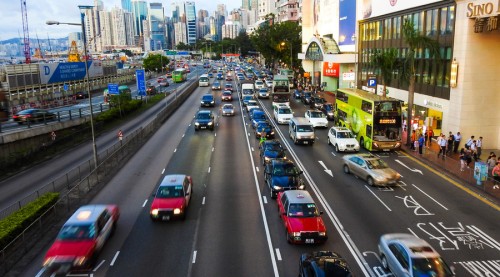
(387, 150)
(309, 240)
(165, 217)
(203, 127)
(306, 142)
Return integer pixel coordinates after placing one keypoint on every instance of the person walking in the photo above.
(473, 150)
(463, 159)
(451, 140)
(496, 172)
(468, 157)
(412, 146)
(428, 137)
(458, 138)
(442, 146)
(479, 146)
(469, 142)
(420, 144)
(491, 161)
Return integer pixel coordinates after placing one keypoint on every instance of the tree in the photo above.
(385, 62)
(414, 41)
(155, 62)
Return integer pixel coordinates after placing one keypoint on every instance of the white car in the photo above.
(269, 83)
(316, 118)
(259, 84)
(283, 114)
(252, 104)
(342, 139)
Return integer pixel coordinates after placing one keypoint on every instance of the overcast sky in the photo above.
(39, 11)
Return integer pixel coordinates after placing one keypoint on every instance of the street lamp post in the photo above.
(84, 37)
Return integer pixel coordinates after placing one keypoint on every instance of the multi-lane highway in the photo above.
(233, 228)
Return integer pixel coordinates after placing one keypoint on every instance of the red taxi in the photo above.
(172, 197)
(81, 238)
(301, 218)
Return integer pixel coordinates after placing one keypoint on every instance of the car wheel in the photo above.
(346, 169)
(272, 194)
(329, 142)
(288, 239)
(337, 148)
(295, 140)
(383, 260)
(370, 181)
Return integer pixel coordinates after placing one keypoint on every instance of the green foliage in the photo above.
(155, 62)
(14, 224)
(386, 62)
(183, 46)
(114, 112)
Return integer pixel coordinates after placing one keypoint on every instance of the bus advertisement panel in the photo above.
(375, 120)
(281, 90)
(179, 75)
(204, 81)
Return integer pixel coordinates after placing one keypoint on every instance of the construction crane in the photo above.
(38, 51)
(27, 51)
(73, 54)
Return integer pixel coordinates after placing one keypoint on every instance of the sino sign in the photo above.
(331, 69)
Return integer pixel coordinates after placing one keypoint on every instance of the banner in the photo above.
(347, 22)
(63, 72)
(331, 69)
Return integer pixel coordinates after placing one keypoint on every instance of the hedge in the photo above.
(14, 224)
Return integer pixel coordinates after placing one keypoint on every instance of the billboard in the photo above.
(347, 22)
(373, 8)
(331, 69)
(63, 72)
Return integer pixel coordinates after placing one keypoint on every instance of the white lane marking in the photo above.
(209, 169)
(185, 133)
(257, 168)
(213, 148)
(144, 204)
(194, 256)
(41, 272)
(411, 231)
(114, 258)
(215, 134)
(414, 170)
(328, 171)
(430, 197)
(377, 198)
(278, 254)
(99, 265)
(175, 150)
(252, 149)
(203, 201)
(334, 154)
(265, 199)
(163, 171)
(489, 239)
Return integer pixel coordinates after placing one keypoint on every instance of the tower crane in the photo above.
(27, 51)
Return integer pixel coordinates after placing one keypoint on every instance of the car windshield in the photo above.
(229, 85)
(345, 135)
(227, 107)
(320, 100)
(170, 192)
(432, 267)
(328, 107)
(285, 170)
(376, 164)
(207, 97)
(203, 116)
(77, 232)
(216, 84)
(273, 147)
(302, 210)
(304, 128)
(307, 94)
(285, 111)
(226, 93)
(259, 116)
(317, 115)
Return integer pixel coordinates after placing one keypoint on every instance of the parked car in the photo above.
(81, 238)
(342, 139)
(301, 218)
(370, 168)
(172, 198)
(207, 100)
(271, 149)
(33, 115)
(316, 118)
(281, 175)
(228, 109)
(82, 95)
(204, 119)
(329, 111)
(408, 255)
(323, 263)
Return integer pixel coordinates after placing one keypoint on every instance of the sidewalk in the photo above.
(450, 166)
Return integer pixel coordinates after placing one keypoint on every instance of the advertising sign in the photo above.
(373, 8)
(140, 78)
(349, 76)
(331, 69)
(63, 72)
(347, 22)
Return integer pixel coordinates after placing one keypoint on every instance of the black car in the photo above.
(151, 90)
(207, 100)
(306, 97)
(317, 102)
(323, 263)
(271, 149)
(297, 94)
(204, 120)
(329, 111)
(82, 95)
(33, 115)
(281, 175)
(264, 128)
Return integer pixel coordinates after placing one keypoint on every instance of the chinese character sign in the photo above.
(331, 69)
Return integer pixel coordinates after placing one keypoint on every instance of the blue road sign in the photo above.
(140, 78)
(372, 82)
(66, 87)
(113, 89)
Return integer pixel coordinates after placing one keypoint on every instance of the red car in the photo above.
(301, 217)
(81, 238)
(227, 96)
(172, 198)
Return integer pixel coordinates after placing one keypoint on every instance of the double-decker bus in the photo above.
(375, 120)
(288, 73)
(179, 75)
(281, 90)
(4, 106)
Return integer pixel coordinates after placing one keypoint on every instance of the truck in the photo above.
(247, 87)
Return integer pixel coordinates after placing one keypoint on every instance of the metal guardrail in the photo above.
(78, 185)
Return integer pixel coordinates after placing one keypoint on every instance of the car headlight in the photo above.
(80, 261)
(272, 133)
(177, 211)
(197, 123)
(330, 114)
(154, 212)
(398, 144)
(296, 234)
(212, 102)
(375, 144)
(322, 234)
(210, 123)
(276, 187)
(302, 186)
(267, 159)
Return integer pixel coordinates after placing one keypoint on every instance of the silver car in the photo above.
(227, 109)
(370, 168)
(406, 255)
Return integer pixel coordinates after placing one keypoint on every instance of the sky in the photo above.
(39, 11)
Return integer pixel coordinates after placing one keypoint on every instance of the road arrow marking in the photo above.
(414, 170)
(326, 169)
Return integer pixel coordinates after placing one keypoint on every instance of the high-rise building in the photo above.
(128, 18)
(127, 5)
(246, 4)
(231, 29)
(140, 12)
(203, 23)
(190, 8)
(118, 23)
(221, 9)
(157, 26)
(265, 8)
(180, 33)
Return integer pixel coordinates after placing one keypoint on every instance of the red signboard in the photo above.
(331, 69)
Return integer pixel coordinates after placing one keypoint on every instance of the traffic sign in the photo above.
(140, 78)
(113, 89)
(372, 82)
(65, 87)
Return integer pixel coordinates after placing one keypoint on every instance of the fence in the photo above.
(79, 185)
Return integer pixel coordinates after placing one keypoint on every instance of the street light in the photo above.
(84, 37)
(291, 55)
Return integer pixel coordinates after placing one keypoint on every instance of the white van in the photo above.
(300, 130)
(204, 81)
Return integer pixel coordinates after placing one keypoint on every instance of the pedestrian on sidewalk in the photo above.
(469, 142)
(442, 145)
(473, 150)
(428, 136)
(412, 145)
(420, 144)
(492, 160)
(468, 157)
(458, 138)
(496, 172)
(451, 140)
(479, 146)
(463, 159)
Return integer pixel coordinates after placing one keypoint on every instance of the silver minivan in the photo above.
(300, 130)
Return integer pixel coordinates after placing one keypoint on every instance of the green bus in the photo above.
(281, 90)
(179, 75)
(375, 120)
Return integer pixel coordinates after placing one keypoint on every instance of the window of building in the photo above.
(447, 20)
(397, 28)
(388, 28)
(431, 26)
